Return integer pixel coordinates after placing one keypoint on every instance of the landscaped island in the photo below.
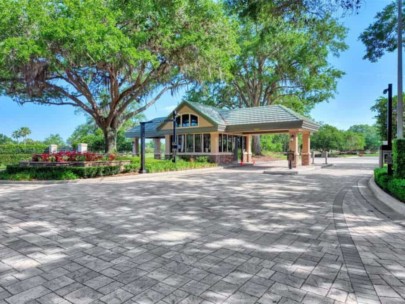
(75, 165)
(395, 184)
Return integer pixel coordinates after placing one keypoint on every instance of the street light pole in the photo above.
(174, 143)
(142, 169)
(400, 108)
(389, 126)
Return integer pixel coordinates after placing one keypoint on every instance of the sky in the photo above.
(357, 90)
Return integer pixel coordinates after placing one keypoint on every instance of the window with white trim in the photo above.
(187, 120)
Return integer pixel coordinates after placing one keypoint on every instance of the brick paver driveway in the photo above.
(232, 235)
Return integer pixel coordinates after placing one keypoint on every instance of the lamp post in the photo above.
(388, 147)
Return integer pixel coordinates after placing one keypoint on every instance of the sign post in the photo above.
(386, 150)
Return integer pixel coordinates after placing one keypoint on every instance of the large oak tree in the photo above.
(104, 55)
(283, 60)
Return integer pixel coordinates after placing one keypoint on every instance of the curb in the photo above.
(38, 182)
(385, 198)
(111, 178)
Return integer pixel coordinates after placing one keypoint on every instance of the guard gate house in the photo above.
(222, 134)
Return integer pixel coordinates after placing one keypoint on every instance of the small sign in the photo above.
(387, 157)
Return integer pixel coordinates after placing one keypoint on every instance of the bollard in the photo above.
(326, 157)
(313, 157)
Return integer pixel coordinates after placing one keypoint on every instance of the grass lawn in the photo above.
(275, 155)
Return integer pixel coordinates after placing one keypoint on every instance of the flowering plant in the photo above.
(70, 156)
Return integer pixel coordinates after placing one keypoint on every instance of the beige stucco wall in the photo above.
(187, 110)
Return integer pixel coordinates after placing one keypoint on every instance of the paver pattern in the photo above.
(225, 236)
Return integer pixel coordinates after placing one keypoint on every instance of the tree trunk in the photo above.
(257, 148)
(110, 140)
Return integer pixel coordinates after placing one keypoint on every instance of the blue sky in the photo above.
(357, 91)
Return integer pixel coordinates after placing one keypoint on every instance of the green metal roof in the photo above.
(245, 120)
(151, 129)
(213, 114)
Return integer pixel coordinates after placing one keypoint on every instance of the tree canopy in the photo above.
(283, 60)
(381, 36)
(371, 135)
(22, 132)
(380, 108)
(327, 138)
(104, 55)
(54, 139)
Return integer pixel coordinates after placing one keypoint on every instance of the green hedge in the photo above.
(22, 148)
(398, 150)
(10, 159)
(394, 186)
(45, 173)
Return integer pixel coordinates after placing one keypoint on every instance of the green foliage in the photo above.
(327, 138)
(157, 165)
(381, 177)
(105, 55)
(91, 134)
(9, 159)
(202, 159)
(57, 173)
(381, 36)
(398, 149)
(397, 188)
(274, 143)
(168, 165)
(353, 141)
(370, 134)
(5, 139)
(381, 108)
(292, 8)
(54, 139)
(23, 132)
(282, 61)
(274, 49)
(394, 186)
(14, 172)
(22, 149)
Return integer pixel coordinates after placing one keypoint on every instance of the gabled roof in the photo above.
(275, 116)
(242, 120)
(151, 129)
(211, 114)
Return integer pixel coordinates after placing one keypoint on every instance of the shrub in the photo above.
(131, 168)
(381, 177)
(397, 188)
(71, 156)
(202, 159)
(63, 172)
(394, 186)
(9, 159)
(22, 148)
(398, 150)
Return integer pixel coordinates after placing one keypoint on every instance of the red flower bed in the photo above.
(71, 157)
